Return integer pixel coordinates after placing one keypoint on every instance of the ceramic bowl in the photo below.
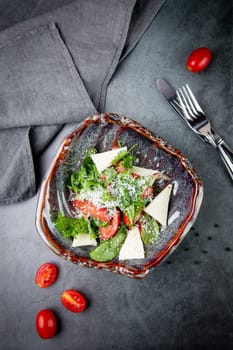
(103, 131)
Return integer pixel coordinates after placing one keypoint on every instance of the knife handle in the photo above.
(226, 154)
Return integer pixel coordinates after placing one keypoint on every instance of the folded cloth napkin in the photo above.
(54, 70)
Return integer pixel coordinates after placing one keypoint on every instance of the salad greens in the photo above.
(107, 202)
(109, 249)
(87, 176)
(128, 192)
(70, 227)
(150, 229)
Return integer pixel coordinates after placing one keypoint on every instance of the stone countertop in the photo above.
(185, 303)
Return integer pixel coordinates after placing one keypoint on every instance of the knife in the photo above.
(170, 95)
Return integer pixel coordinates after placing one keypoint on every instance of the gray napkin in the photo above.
(54, 70)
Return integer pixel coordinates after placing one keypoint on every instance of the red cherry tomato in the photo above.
(46, 324)
(73, 300)
(88, 208)
(107, 232)
(46, 275)
(199, 59)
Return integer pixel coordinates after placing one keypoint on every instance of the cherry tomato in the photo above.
(107, 232)
(88, 208)
(46, 275)
(46, 324)
(73, 300)
(199, 59)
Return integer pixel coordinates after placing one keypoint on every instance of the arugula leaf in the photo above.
(131, 212)
(120, 155)
(87, 176)
(127, 161)
(108, 175)
(125, 158)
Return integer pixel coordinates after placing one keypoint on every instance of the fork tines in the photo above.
(188, 102)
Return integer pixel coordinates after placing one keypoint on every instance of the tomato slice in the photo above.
(46, 275)
(135, 175)
(120, 169)
(73, 300)
(148, 192)
(127, 221)
(89, 209)
(107, 232)
(46, 324)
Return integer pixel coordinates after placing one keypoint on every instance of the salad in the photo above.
(116, 206)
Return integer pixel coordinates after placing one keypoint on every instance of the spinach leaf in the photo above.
(150, 229)
(109, 249)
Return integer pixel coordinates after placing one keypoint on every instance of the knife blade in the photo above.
(170, 95)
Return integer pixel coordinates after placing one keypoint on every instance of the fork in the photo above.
(198, 122)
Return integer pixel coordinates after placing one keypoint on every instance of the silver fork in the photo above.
(197, 120)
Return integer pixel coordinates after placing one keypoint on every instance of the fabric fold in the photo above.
(17, 173)
(39, 82)
(55, 70)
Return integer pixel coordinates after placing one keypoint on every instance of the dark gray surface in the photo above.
(186, 303)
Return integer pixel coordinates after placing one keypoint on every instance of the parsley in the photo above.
(71, 227)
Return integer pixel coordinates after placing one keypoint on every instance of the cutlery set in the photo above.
(185, 104)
